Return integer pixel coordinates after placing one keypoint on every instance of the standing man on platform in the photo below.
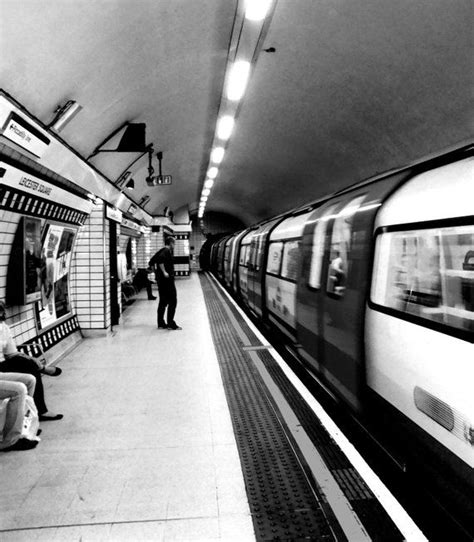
(162, 262)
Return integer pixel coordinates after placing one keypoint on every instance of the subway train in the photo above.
(373, 289)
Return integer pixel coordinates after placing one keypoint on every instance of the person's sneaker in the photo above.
(21, 444)
(174, 326)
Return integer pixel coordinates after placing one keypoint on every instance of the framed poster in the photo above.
(24, 265)
(56, 254)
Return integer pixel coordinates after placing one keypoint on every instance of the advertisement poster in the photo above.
(281, 299)
(32, 247)
(56, 259)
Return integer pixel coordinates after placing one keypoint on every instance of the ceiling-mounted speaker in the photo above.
(133, 138)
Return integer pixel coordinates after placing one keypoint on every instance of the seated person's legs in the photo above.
(26, 365)
(15, 391)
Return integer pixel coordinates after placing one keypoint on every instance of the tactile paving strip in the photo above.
(372, 515)
(283, 504)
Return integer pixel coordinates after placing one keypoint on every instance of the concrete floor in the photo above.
(146, 449)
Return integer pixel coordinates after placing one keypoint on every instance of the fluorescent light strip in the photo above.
(256, 10)
(212, 172)
(225, 125)
(237, 81)
(217, 155)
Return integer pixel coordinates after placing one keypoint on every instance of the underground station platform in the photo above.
(202, 433)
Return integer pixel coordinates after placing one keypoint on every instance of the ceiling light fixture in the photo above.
(238, 77)
(209, 183)
(256, 10)
(64, 114)
(225, 125)
(217, 155)
(206, 192)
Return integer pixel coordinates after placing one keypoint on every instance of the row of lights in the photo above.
(255, 10)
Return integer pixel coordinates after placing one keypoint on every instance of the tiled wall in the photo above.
(147, 245)
(181, 254)
(89, 288)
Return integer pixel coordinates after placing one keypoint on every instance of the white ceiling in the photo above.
(354, 88)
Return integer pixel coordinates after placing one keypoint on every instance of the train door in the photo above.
(234, 261)
(349, 249)
(227, 260)
(220, 257)
(243, 265)
(257, 266)
(344, 298)
(310, 294)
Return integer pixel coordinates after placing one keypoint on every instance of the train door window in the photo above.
(243, 260)
(291, 255)
(427, 273)
(258, 252)
(341, 240)
(275, 251)
(317, 252)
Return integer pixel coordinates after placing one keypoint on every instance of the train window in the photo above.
(428, 273)
(275, 251)
(243, 255)
(318, 249)
(291, 253)
(340, 247)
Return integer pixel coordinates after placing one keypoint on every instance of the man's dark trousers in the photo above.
(168, 298)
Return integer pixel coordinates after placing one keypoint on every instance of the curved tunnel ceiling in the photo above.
(352, 89)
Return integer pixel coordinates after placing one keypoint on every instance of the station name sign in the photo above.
(158, 180)
(35, 186)
(19, 131)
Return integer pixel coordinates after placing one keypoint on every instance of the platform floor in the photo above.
(146, 449)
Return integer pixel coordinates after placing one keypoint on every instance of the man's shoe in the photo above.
(152, 297)
(174, 326)
(22, 444)
(162, 326)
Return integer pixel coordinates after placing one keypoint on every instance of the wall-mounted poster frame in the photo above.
(24, 265)
(57, 246)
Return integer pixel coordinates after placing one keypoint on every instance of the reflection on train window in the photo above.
(291, 253)
(274, 258)
(427, 273)
(318, 249)
(340, 247)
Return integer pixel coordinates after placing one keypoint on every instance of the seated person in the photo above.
(12, 361)
(142, 279)
(15, 387)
